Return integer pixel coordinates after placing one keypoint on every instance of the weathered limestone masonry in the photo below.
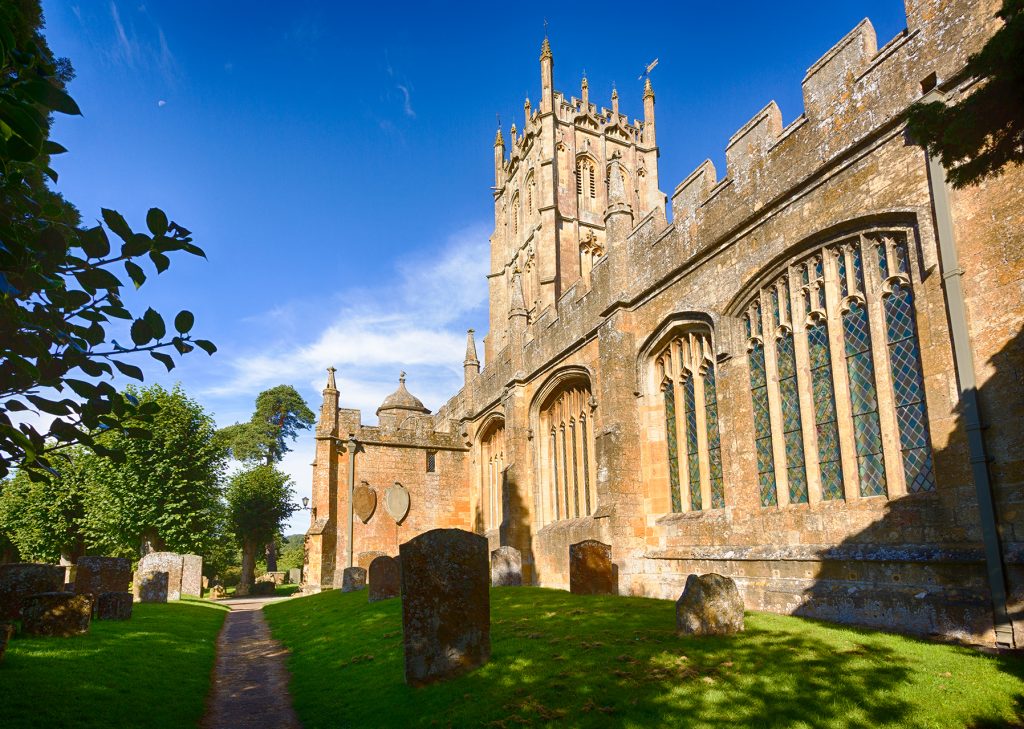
(765, 387)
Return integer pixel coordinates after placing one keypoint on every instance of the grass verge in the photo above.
(571, 661)
(151, 671)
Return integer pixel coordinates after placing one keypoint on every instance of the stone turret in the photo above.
(471, 365)
(649, 135)
(328, 423)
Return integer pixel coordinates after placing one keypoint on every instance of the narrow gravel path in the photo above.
(250, 681)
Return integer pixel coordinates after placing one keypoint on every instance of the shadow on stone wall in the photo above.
(516, 529)
(883, 577)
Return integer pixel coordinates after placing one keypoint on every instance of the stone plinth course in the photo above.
(168, 562)
(56, 613)
(192, 575)
(97, 575)
(506, 567)
(19, 580)
(385, 578)
(353, 579)
(710, 605)
(150, 587)
(113, 606)
(446, 608)
(590, 568)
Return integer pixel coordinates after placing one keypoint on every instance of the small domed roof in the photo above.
(402, 399)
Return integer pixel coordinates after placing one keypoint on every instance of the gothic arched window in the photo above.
(686, 370)
(832, 320)
(567, 453)
(492, 462)
(586, 183)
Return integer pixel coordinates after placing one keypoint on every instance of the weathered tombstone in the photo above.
(446, 605)
(363, 559)
(56, 613)
(353, 579)
(364, 501)
(6, 631)
(263, 589)
(192, 575)
(21, 579)
(295, 576)
(113, 606)
(506, 567)
(217, 592)
(168, 562)
(590, 568)
(385, 579)
(150, 586)
(710, 605)
(96, 575)
(276, 577)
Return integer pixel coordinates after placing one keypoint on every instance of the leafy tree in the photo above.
(259, 501)
(59, 292)
(46, 520)
(166, 492)
(978, 136)
(280, 414)
(294, 552)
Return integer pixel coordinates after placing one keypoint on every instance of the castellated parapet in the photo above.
(692, 390)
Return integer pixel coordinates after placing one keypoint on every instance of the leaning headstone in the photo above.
(113, 606)
(150, 586)
(56, 613)
(295, 576)
(6, 631)
(168, 562)
(96, 575)
(506, 567)
(590, 568)
(385, 579)
(192, 575)
(446, 605)
(19, 580)
(217, 592)
(353, 579)
(710, 605)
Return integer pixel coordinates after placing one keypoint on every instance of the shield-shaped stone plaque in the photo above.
(396, 501)
(364, 501)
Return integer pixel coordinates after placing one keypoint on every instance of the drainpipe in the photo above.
(352, 446)
(952, 280)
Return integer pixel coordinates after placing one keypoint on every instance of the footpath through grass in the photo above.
(570, 661)
(151, 671)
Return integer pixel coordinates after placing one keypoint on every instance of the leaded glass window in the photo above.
(825, 422)
(685, 367)
(792, 431)
(867, 432)
(566, 458)
(762, 425)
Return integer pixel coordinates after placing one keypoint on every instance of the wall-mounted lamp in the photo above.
(305, 503)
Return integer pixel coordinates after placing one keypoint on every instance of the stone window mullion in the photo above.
(677, 384)
(804, 388)
(840, 376)
(774, 404)
(704, 466)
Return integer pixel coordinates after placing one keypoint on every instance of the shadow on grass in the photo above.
(571, 660)
(151, 671)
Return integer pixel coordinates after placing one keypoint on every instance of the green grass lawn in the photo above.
(568, 661)
(151, 671)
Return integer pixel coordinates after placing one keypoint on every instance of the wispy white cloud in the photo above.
(128, 47)
(407, 104)
(413, 323)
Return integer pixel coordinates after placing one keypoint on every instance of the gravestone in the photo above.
(168, 562)
(506, 567)
(446, 608)
(385, 578)
(56, 613)
(364, 501)
(276, 578)
(21, 579)
(150, 586)
(217, 592)
(295, 576)
(262, 589)
(192, 575)
(590, 568)
(96, 575)
(113, 606)
(710, 605)
(353, 579)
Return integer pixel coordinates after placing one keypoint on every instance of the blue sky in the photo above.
(334, 159)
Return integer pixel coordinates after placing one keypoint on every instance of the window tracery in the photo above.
(567, 454)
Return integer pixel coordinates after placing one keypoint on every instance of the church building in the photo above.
(805, 372)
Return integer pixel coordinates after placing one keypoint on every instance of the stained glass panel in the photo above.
(692, 457)
(575, 470)
(714, 439)
(586, 462)
(908, 390)
(867, 433)
(844, 287)
(792, 433)
(673, 446)
(762, 426)
(826, 425)
(554, 474)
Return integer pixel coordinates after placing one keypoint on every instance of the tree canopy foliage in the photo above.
(259, 501)
(983, 132)
(60, 283)
(280, 414)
